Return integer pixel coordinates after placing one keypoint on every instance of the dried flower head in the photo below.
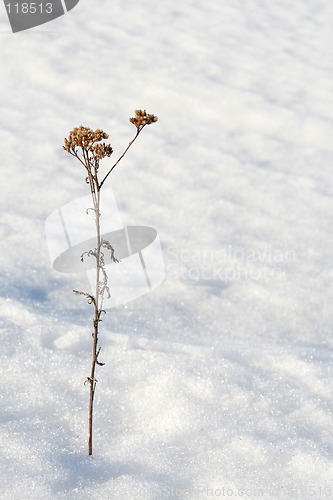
(100, 151)
(85, 138)
(142, 118)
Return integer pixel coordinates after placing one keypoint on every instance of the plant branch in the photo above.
(138, 130)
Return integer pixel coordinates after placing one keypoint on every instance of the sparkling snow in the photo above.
(219, 382)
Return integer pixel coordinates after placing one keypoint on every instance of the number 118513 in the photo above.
(29, 8)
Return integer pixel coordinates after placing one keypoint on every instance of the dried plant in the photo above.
(85, 145)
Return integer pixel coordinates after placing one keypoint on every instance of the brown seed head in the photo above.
(85, 138)
(100, 151)
(141, 119)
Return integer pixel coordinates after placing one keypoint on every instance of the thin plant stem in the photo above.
(96, 318)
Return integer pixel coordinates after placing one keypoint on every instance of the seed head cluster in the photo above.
(102, 150)
(141, 119)
(86, 138)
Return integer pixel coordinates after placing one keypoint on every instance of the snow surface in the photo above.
(219, 382)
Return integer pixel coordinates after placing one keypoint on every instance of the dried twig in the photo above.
(85, 145)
